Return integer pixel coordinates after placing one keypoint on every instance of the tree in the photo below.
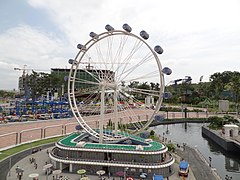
(6, 94)
(235, 85)
(216, 85)
(39, 84)
(225, 82)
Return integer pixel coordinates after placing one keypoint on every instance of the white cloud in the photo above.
(198, 37)
(24, 45)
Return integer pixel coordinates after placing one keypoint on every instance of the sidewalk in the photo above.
(42, 157)
(199, 166)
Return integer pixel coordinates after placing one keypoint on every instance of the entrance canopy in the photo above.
(157, 177)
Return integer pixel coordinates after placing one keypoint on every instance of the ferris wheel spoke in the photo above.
(131, 69)
(83, 81)
(99, 53)
(129, 57)
(110, 52)
(100, 74)
(95, 75)
(86, 91)
(145, 77)
(116, 56)
(105, 87)
(144, 90)
(119, 53)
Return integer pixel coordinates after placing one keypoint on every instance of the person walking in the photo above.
(35, 165)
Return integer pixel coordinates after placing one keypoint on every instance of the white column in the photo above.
(102, 113)
(115, 111)
(71, 167)
(60, 165)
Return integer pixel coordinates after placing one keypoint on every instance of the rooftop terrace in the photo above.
(150, 146)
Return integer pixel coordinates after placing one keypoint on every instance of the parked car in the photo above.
(12, 118)
(3, 120)
(44, 116)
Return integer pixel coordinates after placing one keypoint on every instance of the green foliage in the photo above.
(7, 94)
(226, 81)
(215, 122)
(152, 132)
(177, 109)
(218, 122)
(225, 85)
(171, 147)
(230, 120)
(40, 83)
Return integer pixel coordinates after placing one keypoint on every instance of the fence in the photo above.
(25, 136)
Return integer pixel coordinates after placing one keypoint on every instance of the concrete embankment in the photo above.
(226, 144)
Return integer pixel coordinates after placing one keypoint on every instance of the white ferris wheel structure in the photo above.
(107, 83)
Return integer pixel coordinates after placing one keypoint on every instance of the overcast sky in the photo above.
(199, 37)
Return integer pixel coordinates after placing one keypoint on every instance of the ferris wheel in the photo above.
(116, 79)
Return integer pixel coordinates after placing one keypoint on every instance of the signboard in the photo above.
(223, 105)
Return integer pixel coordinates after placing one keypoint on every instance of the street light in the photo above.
(10, 162)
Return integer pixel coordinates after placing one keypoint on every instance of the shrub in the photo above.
(171, 147)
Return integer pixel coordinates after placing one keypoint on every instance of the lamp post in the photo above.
(10, 163)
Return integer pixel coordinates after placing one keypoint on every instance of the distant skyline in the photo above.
(199, 37)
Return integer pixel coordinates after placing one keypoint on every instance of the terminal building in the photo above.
(132, 155)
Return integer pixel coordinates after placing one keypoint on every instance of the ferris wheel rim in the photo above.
(74, 68)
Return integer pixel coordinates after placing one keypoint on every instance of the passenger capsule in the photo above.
(109, 28)
(167, 95)
(71, 61)
(167, 71)
(80, 46)
(65, 78)
(93, 35)
(158, 49)
(144, 35)
(127, 28)
(78, 127)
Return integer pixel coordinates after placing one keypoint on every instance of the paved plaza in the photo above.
(42, 158)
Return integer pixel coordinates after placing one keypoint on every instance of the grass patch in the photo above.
(22, 147)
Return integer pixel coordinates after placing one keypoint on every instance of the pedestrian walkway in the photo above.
(200, 168)
(41, 159)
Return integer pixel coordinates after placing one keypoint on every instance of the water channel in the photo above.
(225, 163)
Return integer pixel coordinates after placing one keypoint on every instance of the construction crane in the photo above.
(25, 70)
(22, 84)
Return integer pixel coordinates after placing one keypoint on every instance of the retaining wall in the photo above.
(5, 164)
(226, 144)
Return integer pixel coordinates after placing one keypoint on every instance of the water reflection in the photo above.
(232, 165)
(225, 163)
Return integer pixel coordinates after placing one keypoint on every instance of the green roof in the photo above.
(153, 146)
